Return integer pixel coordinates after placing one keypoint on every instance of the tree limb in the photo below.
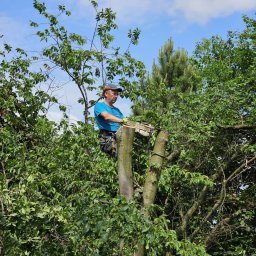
(191, 211)
(153, 174)
(237, 127)
(171, 156)
(213, 209)
(218, 226)
(152, 178)
(222, 195)
(240, 168)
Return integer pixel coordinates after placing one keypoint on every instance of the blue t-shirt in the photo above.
(103, 124)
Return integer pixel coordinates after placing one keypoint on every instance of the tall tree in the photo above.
(173, 69)
(205, 186)
(88, 60)
(171, 78)
(56, 199)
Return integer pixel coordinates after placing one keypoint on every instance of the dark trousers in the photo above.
(108, 142)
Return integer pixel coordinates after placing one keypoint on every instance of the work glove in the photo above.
(125, 120)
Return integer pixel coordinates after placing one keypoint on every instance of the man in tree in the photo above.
(109, 118)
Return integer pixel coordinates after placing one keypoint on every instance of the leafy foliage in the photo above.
(59, 192)
(207, 183)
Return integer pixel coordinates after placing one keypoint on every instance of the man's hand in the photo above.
(125, 120)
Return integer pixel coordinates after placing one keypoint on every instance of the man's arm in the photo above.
(108, 117)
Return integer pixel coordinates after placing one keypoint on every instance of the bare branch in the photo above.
(171, 156)
(217, 227)
(213, 209)
(1, 200)
(2, 206)
(220, 201)
(240, 169)
(3, 169)
(191, 211)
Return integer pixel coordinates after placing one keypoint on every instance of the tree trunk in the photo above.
(155, 164)
(152, 178)
(125, 138)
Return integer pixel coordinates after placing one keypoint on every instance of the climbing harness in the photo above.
(108, 142)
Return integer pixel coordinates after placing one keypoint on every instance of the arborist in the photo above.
(109, 118)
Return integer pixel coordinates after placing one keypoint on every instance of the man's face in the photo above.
(111, 96)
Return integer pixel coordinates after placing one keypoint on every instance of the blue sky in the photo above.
(186, 21)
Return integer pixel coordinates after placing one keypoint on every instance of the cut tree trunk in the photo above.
(125, 137)
(152, 178)
(155, 165)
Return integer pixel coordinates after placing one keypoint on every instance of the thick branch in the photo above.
(1, 200)
(3, 169)
(171, 156)
(2, 206)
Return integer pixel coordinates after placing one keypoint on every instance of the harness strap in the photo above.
(107, 133)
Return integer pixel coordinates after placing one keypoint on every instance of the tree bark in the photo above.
(152, 177)
(125, 137)
(155, 164)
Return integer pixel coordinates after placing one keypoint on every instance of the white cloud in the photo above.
(201, 11)
(56, 116)
(194, 11)
(134, 11)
